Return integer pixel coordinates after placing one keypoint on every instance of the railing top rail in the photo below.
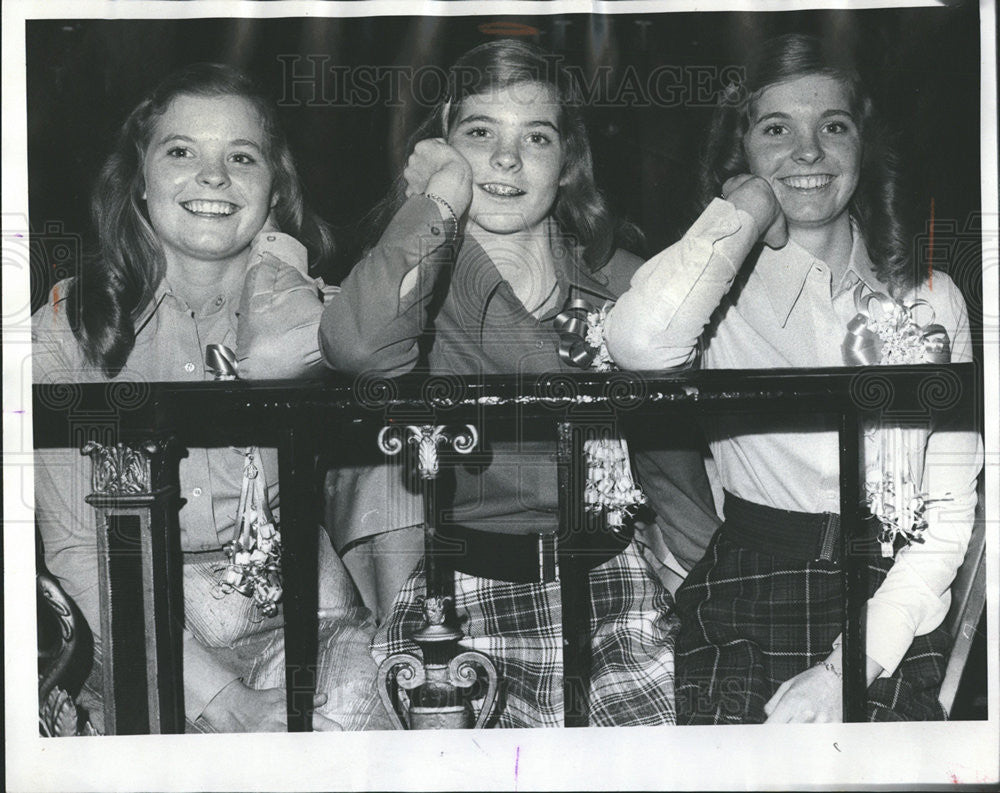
(373, 398)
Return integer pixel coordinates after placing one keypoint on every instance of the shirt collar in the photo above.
(785, 279)
(860, 265)
(164, 293)
(571, 276)
(159, 294)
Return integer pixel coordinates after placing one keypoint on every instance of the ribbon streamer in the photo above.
(254, 568)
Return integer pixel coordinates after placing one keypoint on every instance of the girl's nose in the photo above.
(213, 174)
(506, 155)
(808, 149)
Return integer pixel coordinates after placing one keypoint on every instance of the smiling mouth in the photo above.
(501, 189)
(209, 209)
(812, 182)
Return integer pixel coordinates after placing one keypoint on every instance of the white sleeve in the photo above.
(656, 324)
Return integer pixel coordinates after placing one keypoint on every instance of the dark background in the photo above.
(85, 75)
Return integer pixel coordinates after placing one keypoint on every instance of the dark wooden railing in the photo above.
(155, 422)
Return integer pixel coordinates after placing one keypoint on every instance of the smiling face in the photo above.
(208, 183)
(804, 139)
(512, 140)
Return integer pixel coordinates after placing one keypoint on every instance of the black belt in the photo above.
(803, 536)
(521, 558)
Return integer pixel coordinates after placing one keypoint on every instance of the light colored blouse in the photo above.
(788, 312)
(170, 346)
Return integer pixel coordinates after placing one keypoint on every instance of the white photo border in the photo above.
(841, 756)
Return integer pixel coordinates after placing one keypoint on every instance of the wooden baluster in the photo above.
(574, 582)
(135, 494)
(299, 571)
(853, 558)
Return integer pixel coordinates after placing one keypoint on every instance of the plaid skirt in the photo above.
(750, 621)
(519, 627)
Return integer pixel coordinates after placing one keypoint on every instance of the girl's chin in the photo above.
(811, 213)
(504, 225)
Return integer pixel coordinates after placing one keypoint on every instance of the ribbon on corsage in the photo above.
(254, 556)
(610, 487)
(886, 332)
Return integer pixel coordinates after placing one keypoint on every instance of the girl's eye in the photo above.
(836, 127)
(478, 132)
(177, 152)
(539, 138)
(243, 158)
(774, 130)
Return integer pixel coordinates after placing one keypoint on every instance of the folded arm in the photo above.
(376, 320)
(657, 323)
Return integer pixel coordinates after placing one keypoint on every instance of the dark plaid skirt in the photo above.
(519, 627)
(750, 621)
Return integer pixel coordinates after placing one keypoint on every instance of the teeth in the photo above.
(807, 182)
(210, 207)
(502, 189)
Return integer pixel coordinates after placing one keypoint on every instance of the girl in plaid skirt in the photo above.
(801, 256)
(495, 227)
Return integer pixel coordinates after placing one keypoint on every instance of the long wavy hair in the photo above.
(118, 283)
(877, 204)
(580, 210)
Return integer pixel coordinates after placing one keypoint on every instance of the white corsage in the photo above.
(885, 332)
(610, 487)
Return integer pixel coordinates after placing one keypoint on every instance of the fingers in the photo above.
(734, 182)
(808, 697)
(436, 167)
(428, 157)
(772, 703)
(754, 196)
(322, 724)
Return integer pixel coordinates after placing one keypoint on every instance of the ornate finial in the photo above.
(435, 609)
(121, 469)
(427, 438)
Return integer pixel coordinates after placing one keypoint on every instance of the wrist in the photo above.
(446, 209)
(222, 711)
(834, 663)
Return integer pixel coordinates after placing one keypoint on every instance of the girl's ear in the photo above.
(564, 177)
(274, 200)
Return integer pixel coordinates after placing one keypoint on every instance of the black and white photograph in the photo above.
(621, 365)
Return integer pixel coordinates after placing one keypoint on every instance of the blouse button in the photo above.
(435, 231)
(539, 344)
(219, 300)
(271, 238)
(189, 367)
(196, 492)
